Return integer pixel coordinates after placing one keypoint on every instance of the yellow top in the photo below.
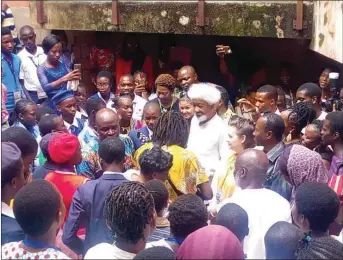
(186, 173)
(225, 180)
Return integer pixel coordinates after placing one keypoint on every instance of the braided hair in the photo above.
(301, 115)
(171, 129)
(319, 248)
(20, 108)
(128, 208)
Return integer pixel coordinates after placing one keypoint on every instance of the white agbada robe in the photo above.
(209, 143)
(264, 208)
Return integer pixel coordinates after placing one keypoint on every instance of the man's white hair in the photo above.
(208, 93)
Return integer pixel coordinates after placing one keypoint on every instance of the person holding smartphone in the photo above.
(54, 74)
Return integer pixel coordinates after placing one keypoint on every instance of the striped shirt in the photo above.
(159, 233)
(7, 20)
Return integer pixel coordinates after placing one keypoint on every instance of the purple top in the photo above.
(335, 164)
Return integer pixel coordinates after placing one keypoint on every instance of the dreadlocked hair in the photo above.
(319, 248)
(171, 129)
(301, 115)
(128, 208)
(20, 108)
(166, 80)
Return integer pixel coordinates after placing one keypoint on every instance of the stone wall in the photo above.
(328, 29)
(21, 13)
(226, 18)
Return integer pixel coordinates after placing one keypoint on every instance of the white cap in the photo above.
(334, 75)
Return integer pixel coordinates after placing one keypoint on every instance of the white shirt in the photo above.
(107, 251)
(322, 116)
(138, 107)
(7, 210)
(110, 102)
(161, 242)
(75, 123)
(209, 143)
(264, 208)
(28, 69)
(81, 113)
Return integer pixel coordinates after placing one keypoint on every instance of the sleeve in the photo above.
(224, 150)
(21, 72)
(194, 166)
(75, 220)
(86, 168)
(46, 85)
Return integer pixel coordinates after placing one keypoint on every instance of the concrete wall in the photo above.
(21, 13)
(328, 29)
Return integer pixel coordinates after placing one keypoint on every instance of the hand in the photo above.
(74, 75)
(222, 50)
(140, 88)
(246, 105)
(28, 177)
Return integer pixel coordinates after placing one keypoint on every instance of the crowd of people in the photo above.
(162, 168)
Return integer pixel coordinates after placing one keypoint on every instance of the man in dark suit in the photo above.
(87, 208)
(151, 113)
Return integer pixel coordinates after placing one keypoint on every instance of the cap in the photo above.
(11, 161)
(62, 95)
(62, 147)
(44, 143)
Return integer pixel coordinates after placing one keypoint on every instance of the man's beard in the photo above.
(202, 118)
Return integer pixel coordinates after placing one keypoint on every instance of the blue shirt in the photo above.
(10, 78)
(89, 141)
(48, 75)
(34, 130)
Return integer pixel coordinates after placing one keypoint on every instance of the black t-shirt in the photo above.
(174, 107)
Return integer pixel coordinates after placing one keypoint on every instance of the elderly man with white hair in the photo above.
(208, 133)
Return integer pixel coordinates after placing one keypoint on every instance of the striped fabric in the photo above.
(159, 233)
(336, 183)
(7, 20)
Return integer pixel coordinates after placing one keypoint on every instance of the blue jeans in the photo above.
(34, 97)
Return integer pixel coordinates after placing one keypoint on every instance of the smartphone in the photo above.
(77, 66)
(227, 49)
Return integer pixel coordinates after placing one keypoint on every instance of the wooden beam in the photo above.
(298, 22)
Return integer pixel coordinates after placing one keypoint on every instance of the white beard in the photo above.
(202, 118)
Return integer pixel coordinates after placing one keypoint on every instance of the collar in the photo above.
(150, 132)
(75, 123)
(111, 96)
(34, 130)
(50, 165)
(64, 172)
(6, 210)
(3, 56)
(112, 176)
(275, 152)
(38, 53)
(108, 172)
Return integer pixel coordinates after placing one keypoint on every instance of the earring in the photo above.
(289, 138)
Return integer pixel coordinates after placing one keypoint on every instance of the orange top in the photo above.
(66, 183)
